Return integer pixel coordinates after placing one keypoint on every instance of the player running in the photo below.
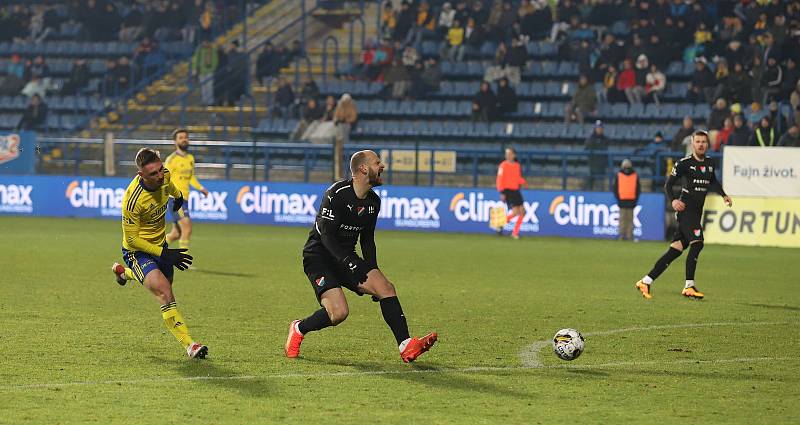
(509, 181)
(697, 170)
(149, 258)
(181, 165)
(349, 211)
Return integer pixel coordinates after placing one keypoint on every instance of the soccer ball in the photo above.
(568, 344)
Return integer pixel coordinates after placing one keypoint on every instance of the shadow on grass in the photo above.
(432, 375)
(205, 371)
(222, 273)
(773, 306)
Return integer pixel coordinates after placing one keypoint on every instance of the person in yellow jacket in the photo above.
(181, 164)
(626, 189)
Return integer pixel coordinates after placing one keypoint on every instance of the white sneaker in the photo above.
(197, 351)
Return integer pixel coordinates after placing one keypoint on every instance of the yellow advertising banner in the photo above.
(405, 160)
(753, 221)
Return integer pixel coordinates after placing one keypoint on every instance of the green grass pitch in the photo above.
(77, 348)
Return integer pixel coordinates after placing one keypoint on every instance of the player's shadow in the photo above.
(432, 375)
(205, 372)
(773, 306)
(222, 273)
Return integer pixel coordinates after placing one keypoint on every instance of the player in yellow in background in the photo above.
(144, 249)
(181, 164)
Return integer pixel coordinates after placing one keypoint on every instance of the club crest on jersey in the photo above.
(697, 232)
(360, 211)
(702, 168)
(320, 282)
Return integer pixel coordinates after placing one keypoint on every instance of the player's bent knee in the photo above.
(677, 245)
(338, 314)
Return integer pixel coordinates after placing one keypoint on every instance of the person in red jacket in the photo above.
(509, 181)
(626, 82)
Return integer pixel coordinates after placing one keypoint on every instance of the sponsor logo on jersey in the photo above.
(85, 194)
(15, 198)
(602, 218)
(284, 207)
(9, 148)
(473, 207)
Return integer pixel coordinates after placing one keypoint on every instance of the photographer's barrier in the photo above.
(753, 221)
(549, 213)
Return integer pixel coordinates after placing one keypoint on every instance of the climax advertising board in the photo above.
(753, 221)
(757, 171)
(549, 213)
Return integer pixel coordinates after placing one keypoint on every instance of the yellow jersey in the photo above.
(182, 168)
(143, 211)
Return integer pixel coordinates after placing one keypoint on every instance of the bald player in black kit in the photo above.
(349, 212)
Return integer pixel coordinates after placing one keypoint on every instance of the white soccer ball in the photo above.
(568, 344)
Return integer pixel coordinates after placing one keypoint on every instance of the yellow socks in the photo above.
(173, 320)
(183, 243)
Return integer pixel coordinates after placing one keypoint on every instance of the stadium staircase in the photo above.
(170, 101)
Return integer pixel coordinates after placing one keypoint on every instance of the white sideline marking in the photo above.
(280, 376)
(530, 354)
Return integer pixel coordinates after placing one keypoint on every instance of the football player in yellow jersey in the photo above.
(181, 164)
(144, 249)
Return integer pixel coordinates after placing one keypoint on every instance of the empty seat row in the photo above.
(87, 49)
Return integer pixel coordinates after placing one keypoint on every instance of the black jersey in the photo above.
(343, 218)
(698, 178)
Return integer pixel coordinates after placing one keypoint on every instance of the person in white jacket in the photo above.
(656, 82)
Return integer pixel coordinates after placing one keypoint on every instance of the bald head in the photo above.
(361, 158)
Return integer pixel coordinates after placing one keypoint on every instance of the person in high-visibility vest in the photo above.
(626, 189)
(509, 181)
(764, 134)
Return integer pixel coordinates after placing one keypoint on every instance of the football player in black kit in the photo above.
(349, 211)
(697, 172)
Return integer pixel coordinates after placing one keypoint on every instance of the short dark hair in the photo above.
(146, 156)
(178, 131)
(701, 133)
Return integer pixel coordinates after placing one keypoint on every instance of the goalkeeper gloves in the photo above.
(357, 267)
(176, 257)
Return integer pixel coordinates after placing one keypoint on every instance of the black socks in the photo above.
(393, 315)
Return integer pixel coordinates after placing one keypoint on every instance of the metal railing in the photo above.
(264, 161)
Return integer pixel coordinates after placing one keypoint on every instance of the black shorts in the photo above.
(324, 273)
(513, 198)
(689, 228)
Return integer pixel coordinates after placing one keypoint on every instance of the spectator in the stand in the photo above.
(221, 84)
(627, 189)
(498, 68)
(642, 65)
(565, 11)
(131, 26)
(109, 87)
(108, 23)
(609, 92)
(584, 102)
(454, 47)
(791, 76)
(78, 78)
(284, 99)
(739, 84)
(38, 68)
(655, 147)
(308, 90)
(776, 117)
(146, 47)
(516, 60)
(757, 112)
(764, 134)
(446, 19)
(295, 51)
(756, 74)
(398, 79)
(204, 66)
(329, 109)
(790, 139)
(405, 20)
(311, 113)
(268, 64)
(506, 99)
(473, 37)
(741, 134)
(484, 103)
(345, 117)
(656, 83)
(424, 25)
(13, 80)
(34, 116)
(722, 78)
(679, 141)
(123, 74)
(504, 18)
(410, 56)
(479, 14)
(596, 147)
(717, 116)
(36, 86)
(237, 69)
(771, 80)
(430, 78)
(702, 85)
(724, 135)
(206, 21)
(626, 82)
